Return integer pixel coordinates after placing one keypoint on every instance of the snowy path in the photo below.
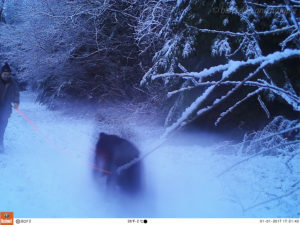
(38, 180)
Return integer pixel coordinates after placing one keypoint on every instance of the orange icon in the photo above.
(6, 218)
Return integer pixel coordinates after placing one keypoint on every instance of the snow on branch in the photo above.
(229, 33)
(290, 97)
(188, 112)
(233, 66)
(263, 106)
(292, 14)
(229, 93)
(271, 6)
(198, 75)
(271, 140)
(229, 110)
(296, 2)
(289, 39)
(239, 34)
(279, 30)
(192, 112)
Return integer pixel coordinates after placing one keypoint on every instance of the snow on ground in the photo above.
(38, 180)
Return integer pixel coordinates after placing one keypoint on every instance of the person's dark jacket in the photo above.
(9, 93)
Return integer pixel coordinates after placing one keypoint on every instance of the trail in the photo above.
(38, 180)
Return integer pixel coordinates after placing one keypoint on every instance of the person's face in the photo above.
(5, 75)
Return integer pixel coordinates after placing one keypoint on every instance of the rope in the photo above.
(57, 147)
(136, 160)
(119, 169)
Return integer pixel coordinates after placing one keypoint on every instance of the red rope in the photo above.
(51, 142)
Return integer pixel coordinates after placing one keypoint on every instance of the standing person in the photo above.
(9, 95)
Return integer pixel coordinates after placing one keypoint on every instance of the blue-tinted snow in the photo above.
(37, 180)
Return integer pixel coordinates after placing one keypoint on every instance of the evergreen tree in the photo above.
(220, 54)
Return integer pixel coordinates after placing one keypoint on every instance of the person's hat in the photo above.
(5, 68)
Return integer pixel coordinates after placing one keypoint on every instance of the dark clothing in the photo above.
(3, 124)
(5, 68)
(9, 93)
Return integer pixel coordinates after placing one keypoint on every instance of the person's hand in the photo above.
(16, 105)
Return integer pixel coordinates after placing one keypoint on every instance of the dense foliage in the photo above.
(222, 58)
(203, 61)
(79, 48)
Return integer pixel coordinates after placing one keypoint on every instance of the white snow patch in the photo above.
(39, 181)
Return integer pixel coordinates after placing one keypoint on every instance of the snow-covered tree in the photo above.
(149, 35)
(204, 60)
(75, 48)
(219, 55)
